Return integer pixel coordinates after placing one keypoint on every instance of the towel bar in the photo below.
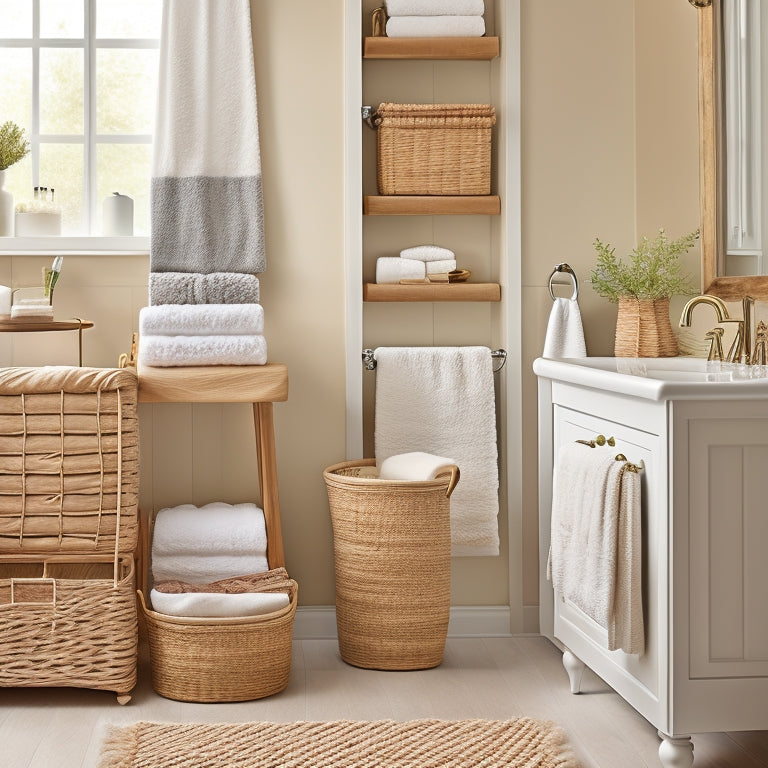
(369, 360)
(602, 440)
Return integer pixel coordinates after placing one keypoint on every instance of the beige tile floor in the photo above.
(480, 677)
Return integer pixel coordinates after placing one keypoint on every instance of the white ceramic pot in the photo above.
(6, 209)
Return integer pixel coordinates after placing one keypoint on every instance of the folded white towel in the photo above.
(435, 7)
(203, 569)
(217, 605)
(438, 267)
(427, 253)
(565, 333)
(416, 465)
(32, 310)
(170, 351)
(213, 529)
(436, 26)
(201, 320)
(392, 269)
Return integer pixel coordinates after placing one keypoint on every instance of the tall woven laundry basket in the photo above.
(392, 556)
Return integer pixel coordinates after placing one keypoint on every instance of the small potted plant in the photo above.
(642, 287)
(13, 147)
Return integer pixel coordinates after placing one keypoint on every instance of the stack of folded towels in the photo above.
(415, 264)
(202, 334)
(435, 18)
(32, 309)
(211, 561)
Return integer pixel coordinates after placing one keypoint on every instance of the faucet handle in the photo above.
(715, 337)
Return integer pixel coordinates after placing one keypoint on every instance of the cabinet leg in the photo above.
(675, 751)
(575, 669)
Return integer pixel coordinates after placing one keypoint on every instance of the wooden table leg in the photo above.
(270, 502)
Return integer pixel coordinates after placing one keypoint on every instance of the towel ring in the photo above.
(567, 269)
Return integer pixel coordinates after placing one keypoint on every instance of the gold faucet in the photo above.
(741, 348)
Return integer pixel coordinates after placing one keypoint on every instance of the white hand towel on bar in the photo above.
(392, 269)
(206, 195)
(565, 333)
(201, 320)
(416, 465)
(174, 351)
(203, 569)
(595, 558)
(435, 7)
(212, 529)
(440, 400)
(427, 253)
(218, 605)
(436, 26)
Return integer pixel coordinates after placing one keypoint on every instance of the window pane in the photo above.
(61, 18)
(125, 90)
(16, 87)
(139, 18)
(61, 90)
(17, 18)
(124, 168)
(61, 168)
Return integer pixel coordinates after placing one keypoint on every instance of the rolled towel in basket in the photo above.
(436, 26)
(416, 465)
(427, 253)
(171, 351)
(213, 529)
(201, 320)
(202, 569)
(218, 605)
(199, 288)
(251, 582)
(435, 7)
(392, 269)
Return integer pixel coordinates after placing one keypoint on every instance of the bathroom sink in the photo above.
(659, 378)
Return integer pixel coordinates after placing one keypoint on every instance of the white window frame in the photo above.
(90, 139)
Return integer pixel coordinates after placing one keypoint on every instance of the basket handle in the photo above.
(52, 582)
(455, 475)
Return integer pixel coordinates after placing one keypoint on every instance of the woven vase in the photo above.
(643, 329)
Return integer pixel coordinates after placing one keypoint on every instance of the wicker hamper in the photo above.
(68, 622)
(392, 555)
(220, 660)
(434, 149)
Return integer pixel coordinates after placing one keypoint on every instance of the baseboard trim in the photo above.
(319, 622)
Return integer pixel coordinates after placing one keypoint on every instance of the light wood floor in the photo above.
(493, 678)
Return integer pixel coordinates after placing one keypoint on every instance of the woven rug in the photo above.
(518, 743)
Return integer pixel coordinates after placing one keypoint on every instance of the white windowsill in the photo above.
(32, 246)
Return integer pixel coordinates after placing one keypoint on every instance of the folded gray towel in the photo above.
(197, 288)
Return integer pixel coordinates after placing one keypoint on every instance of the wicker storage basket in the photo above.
(643, 329)
(69, 460)
(434, 149)
(75, 625)
(392, 554)
(218, 660)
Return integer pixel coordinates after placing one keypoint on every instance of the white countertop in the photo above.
(660, 378)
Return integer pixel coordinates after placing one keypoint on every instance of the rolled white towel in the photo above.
(435, 7)
(438, 267)
(201, 320)
(217, 605)
(213, 529)
(203, 569)
(392, 269)
(435, 26)
(416, 465)
(174, 351)
(427, 253)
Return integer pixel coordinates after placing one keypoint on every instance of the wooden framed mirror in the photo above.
(712, 161)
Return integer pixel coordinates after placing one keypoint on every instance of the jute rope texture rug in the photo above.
(518, 743)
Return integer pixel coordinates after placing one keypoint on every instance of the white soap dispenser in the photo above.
(118, 216)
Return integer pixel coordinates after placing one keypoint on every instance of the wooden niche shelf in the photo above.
(432, 292)
(464, 48)
(431, 205)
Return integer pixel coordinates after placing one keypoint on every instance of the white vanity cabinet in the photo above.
(703, 439)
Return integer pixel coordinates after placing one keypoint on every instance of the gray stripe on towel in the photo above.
(207, 224)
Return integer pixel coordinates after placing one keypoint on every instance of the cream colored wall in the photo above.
(609, 150)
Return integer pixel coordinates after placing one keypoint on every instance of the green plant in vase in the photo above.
(642, 286)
